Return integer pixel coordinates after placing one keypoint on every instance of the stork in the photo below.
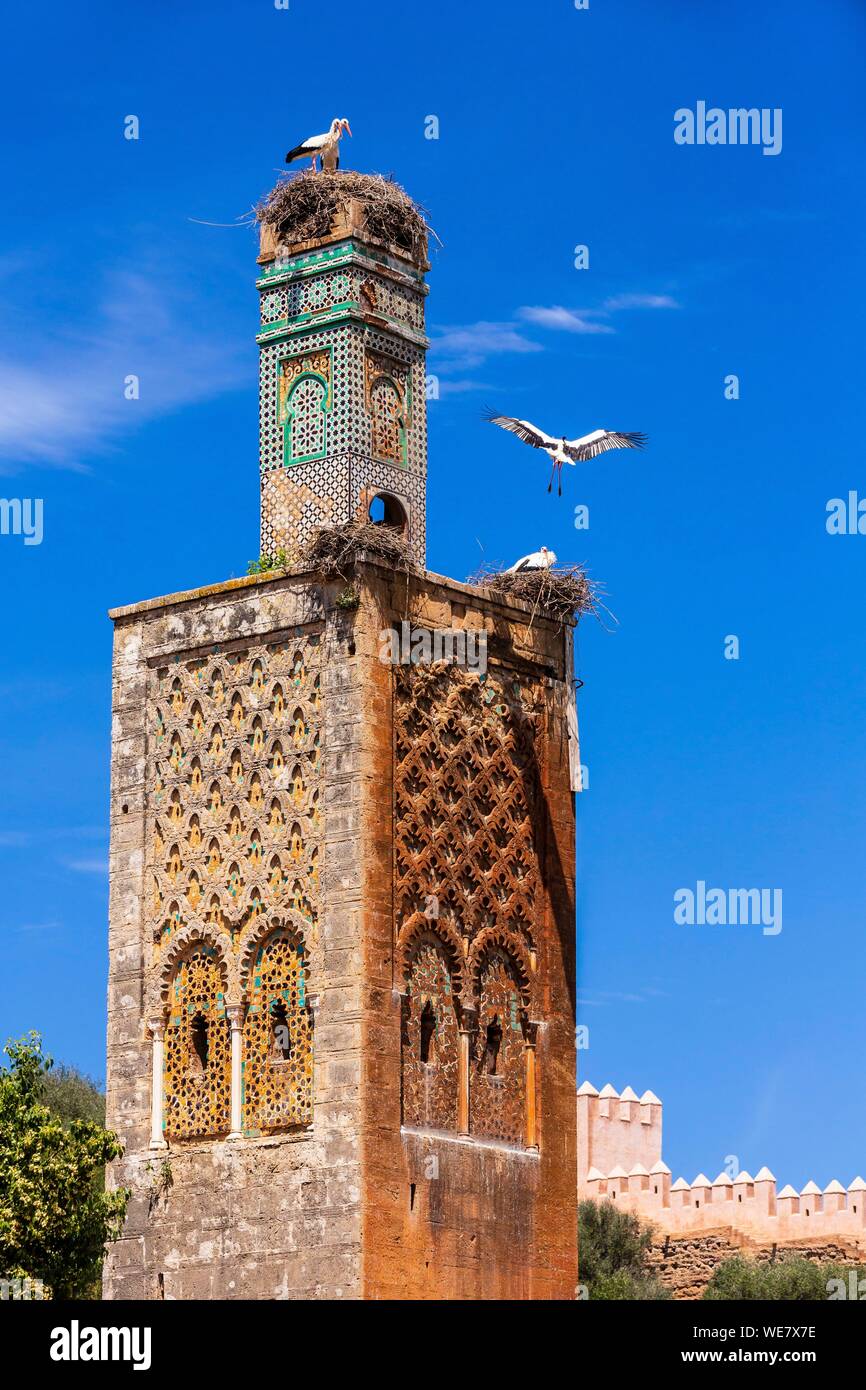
(542, 559)
(324, 147)
(562, 451)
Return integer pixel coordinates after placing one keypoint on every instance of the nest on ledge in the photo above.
(333, 550)
(564, 593)
(302, 207)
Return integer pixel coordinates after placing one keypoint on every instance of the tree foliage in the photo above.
(785, 1280)
(612, 1252)
(55, 1218)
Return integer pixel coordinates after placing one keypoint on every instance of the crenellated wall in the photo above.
(619, 1144)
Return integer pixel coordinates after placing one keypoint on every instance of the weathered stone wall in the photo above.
(448, 1215)
(349, 1206)
(686, 1264)
(273, 1216)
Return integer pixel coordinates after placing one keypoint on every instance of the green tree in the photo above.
(70, 1095)
(785, 1280)
(612, 1249)
(55, 1218)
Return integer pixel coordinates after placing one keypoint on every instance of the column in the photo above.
(156, 1028)
(530, 1040)
(236, 1019)
(466, 1023)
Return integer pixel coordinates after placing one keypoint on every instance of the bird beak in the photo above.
(346, 127)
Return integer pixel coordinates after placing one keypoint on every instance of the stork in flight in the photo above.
(542, 559)
(562, 451)
(324, 147)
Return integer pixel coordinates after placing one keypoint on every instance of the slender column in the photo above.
(529, 1051)
(156, 1028)
(467, 1023)
(236, 1019)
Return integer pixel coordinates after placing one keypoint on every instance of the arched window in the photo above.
(387, 510)
(197, 1049)
(389, 432)
(305, 431)
(497, 1079)
(278, 1038)
(430, 1043)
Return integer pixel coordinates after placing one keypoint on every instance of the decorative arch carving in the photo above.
(197, 1077)
(511, 945)
(418, 927)
(497, 1073)
(430, 1045)
(278, 1034)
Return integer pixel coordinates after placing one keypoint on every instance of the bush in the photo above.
(784, 1280)
(612, 1253)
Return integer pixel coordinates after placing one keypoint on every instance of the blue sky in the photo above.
(556, 129)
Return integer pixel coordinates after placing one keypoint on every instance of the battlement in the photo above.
(620, 1160)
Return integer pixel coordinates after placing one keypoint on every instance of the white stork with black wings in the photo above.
(325, 147)
(542, 559)
(562, 451)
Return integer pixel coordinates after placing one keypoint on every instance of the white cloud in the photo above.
(571, 320)
(57, 405)
(640, 301)
(463, 346)
(87, 866)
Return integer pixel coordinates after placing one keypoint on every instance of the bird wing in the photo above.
(307, 147)
(525, 430)
(519, 565)
(601, 440)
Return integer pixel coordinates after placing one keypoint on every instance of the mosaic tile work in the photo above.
(278, 1050)
(197, 1049)
(467, 877)
(234, 826)
(342, 381)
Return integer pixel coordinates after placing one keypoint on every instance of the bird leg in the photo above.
(552, 473)
(559, 479)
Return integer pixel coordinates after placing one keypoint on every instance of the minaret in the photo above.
(341, 1047)
(343, 417)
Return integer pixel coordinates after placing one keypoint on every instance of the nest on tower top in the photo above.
(564, 593)
(303, 207)
(333, 550)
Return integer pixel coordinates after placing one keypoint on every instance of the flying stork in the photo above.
(324, 147)
(542, 559)
(562, 451)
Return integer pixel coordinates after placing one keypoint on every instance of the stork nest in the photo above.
(334, 550)
(302, 207)
(564, 593)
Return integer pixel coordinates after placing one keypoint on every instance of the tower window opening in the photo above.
(428, 1034)
(281, 1041)
(492, 1046)
(198, 1051)
(385, 510)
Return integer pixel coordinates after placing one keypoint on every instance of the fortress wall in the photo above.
(620, 1161)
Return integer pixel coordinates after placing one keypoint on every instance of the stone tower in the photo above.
(341, 985)
(342, 383)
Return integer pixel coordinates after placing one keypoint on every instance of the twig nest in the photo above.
(303, 207)
(334, 550)
(565, 592)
